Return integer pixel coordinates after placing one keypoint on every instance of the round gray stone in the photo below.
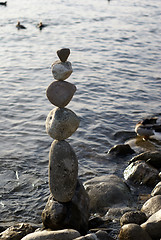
(61, 70)
(61, 123)
(63, 171)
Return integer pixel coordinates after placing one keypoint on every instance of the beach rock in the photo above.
(116, 213)
(73, 214)
(61, 70)
(152, 158)
(63, 171)
(60, 93)
(61, 123)
(140, 172)
(63, 54)
(133, 231)
(121, 150)
(65, 234)
(156, 190)
(152, 205)
(99, 235)
(153, 225)
(107, 191)
(136, 217)
(17, 231)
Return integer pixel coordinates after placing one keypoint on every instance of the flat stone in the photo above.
(63, 171)
(63, 54)
(153, 225)
(61, 70)
(60, 93)
(73, 214)
(133, 232)
(65, 234)
(61, 123)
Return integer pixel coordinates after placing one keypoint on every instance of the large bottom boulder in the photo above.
(73, 214)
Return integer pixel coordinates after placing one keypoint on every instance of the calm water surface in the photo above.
(116, 57)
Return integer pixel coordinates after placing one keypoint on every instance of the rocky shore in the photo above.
(105, 207)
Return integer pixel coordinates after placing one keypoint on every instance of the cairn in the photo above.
(68, 203)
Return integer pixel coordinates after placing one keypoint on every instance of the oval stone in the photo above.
(63, 171)
(60, 93)
(61, 70)
(61, 123)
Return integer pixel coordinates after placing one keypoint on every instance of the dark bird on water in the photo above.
(41, 25)
(20, 26)
(3, 3)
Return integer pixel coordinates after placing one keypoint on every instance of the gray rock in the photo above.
(153, 225)
(133, 231)
(152, 205)
(121, 150)
(60, 93)
(73, 214)
(63, 171)
(63, 54)
(140, 172)
(16, 232)
(65, 234)
(61, 70)
(115, 214)
(136, 217)
(61, 123)
(152, 158)
(156, 190)
(107, 191)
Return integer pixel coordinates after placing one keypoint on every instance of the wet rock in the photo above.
(63, 171)
(60, 93)
(65, 234)
(73, 214)
(133, 231)
(99, 235)
(95, 222)
(140, 172)
(16, 232)
(63, 54)
(156, 190)
(61, 123)
(152, 158)
(107, 191)
(121, 150)
(153, 225)
(152, 205)
(61, 70)
(136, 217)
(116, 213)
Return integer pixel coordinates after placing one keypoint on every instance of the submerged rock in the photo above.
(60, 93)
(63, 171)
(107, 191)
(65, 234)
(61, 123)
(73, 214)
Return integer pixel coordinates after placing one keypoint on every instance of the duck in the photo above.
(41, 25)
(3, 3)
(149, 127)
(20, 26)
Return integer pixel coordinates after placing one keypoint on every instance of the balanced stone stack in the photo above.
(68, 204)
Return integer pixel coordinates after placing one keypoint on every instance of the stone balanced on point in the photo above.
(68, 204)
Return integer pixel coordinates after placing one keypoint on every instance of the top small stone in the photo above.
(63, 54)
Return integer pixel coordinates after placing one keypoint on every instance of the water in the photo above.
(116, 58)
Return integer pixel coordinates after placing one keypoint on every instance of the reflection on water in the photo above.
(115, 53)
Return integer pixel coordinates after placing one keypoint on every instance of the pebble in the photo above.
(61, 123)
(65, 234)
(61, 70)
(60, 93)
(63, 171)
(63, 54)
